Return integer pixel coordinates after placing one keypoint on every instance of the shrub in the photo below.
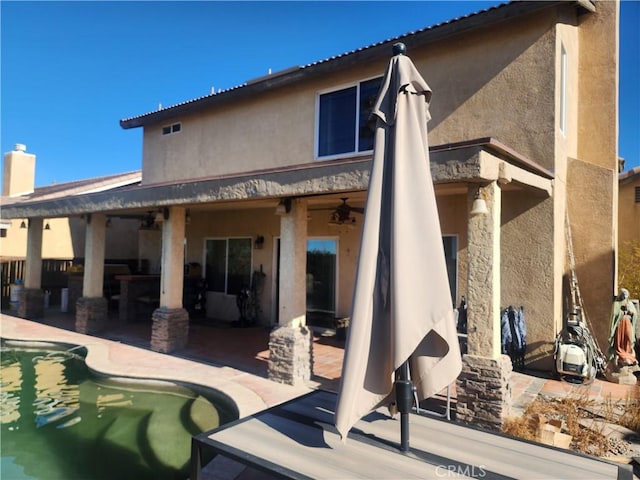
(629, 268)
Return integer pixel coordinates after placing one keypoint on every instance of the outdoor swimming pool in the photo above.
(61, 421)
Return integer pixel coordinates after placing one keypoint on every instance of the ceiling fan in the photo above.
(342, 214)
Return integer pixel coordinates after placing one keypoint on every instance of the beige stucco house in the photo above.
(629, 231)
(629, 206)
(247, 180)
(63, 238)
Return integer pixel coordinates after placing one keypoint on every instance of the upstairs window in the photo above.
(169, 129)
(343, 117)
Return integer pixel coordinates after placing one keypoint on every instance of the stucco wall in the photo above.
(527, 269)
(592, 184)
(56, 241)
(469, 76)
(495, 82)
(65, 239)
(598, 86)
(452, 211)
(591, 215)
(628, 212)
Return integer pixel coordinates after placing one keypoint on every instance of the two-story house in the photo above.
(263, 184)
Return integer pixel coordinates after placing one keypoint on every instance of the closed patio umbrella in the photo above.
(402, 311)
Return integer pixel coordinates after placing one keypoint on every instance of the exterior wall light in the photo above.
(479, 206)
(284, 207)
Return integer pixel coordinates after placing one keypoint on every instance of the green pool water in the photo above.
(61, 421)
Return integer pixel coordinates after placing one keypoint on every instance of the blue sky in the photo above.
(71, 70)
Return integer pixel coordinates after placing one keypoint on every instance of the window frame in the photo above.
(455, 284)
(172, 128)
(226, 262)
(356, 135)
(563, 88)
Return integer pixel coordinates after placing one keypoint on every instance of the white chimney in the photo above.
(19, 174)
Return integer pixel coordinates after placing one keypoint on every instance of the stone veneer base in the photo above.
(91, 314)
(31, 303)
(170, 329)
(290, 355)
(484, 391)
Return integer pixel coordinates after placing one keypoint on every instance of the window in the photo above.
(168, 129)
(450, 243)
(563, 90)
(228, 264)
(637, 192)
(343, 119)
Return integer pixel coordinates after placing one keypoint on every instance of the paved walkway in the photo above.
(235, 361)
(123, 353)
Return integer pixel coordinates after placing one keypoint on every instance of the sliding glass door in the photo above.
(321, 281)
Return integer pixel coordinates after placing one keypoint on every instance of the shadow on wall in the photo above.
(472, 87)
(539, 356)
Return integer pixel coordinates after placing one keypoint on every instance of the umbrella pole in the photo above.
(404, 401)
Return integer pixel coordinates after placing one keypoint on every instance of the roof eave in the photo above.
(381, 50)
(450, 163)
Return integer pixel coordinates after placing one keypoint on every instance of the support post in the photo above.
(291, 343)
(31, 298)
(170, 322)
(91, 307)
(484, 386)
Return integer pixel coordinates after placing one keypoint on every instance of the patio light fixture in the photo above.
(284, 206)
(162, 215)
(479, 206)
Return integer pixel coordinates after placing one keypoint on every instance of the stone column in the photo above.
(483, 387)
(91, 308)
(31, 298)
(170, 328)
(291, 342)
